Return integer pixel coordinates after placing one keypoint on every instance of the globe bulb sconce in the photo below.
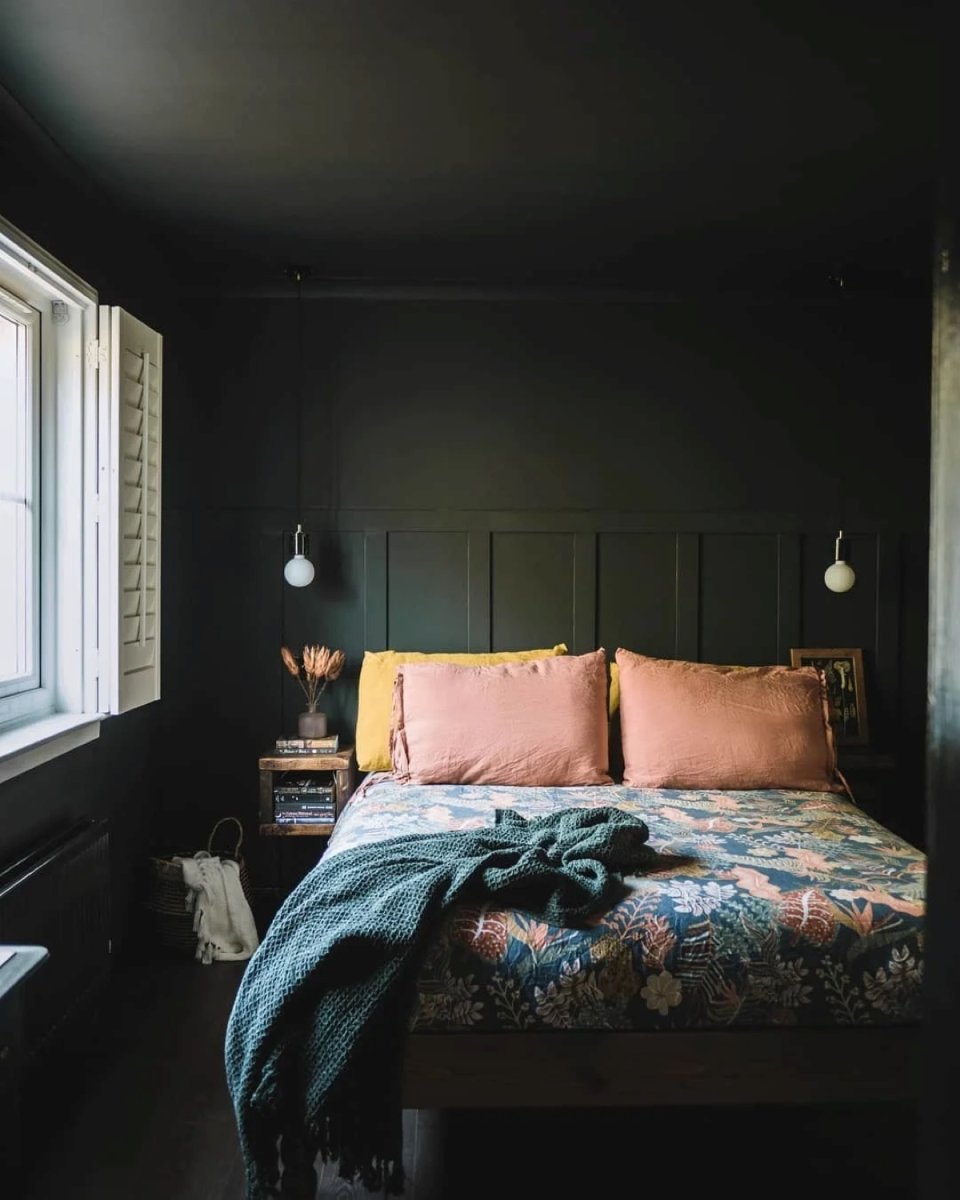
(840, 576)
(298, 571)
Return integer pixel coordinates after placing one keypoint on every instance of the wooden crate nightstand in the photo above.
(342, 766)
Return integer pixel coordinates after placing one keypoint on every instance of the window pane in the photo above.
(16, 504)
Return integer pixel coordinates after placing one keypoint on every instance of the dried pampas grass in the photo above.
(316, 667)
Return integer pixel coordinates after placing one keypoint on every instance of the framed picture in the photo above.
(846, 695)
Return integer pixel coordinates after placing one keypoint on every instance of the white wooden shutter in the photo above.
(131, 388)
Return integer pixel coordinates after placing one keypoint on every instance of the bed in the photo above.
(771, 951)
(775, 953)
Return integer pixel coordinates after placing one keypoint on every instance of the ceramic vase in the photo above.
(312, 724)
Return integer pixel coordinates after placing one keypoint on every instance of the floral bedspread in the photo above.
(768, 908)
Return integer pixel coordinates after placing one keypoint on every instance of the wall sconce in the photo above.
(840, 576)
(298, 571)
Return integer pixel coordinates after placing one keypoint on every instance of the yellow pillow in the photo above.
(614, 689)
(375, 693)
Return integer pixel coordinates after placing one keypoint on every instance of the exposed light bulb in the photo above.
(839, 576)
(298, 571)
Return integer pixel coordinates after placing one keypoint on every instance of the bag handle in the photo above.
(213, 834)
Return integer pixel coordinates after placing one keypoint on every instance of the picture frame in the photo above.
(846, 693)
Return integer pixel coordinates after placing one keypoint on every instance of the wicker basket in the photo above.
(166, 895)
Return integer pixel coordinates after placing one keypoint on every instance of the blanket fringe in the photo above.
(364, 1142)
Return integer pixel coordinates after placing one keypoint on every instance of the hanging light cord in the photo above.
(298, 271)
(333, 459)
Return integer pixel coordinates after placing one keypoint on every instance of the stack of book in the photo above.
(307, 746)
(303, 801)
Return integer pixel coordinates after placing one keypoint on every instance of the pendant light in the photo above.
(298, 571)
(840, 576)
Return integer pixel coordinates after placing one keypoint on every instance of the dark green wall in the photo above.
(116, 776)
(490, 472)
(522, 472)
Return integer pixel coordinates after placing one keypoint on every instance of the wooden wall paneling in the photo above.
(788, 594)
(637, 592)
(584, 593)
(427, 591)
(479, 595)
(375, 590)
(532, 581)
(738, 598)
(687, 597)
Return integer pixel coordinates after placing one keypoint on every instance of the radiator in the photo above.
(58, 895)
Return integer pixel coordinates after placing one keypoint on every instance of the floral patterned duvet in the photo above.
(767, 908)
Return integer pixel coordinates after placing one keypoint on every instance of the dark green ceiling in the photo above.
(538, 141)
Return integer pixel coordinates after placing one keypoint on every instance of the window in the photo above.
(80, 466)
(19, 497)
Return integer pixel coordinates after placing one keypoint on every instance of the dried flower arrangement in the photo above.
(313, 670)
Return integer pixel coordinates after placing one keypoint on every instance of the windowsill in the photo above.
(23, 747)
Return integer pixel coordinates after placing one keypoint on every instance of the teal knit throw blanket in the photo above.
(315, 1041)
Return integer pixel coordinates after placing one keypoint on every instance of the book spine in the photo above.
(329, 747)
(303, 806)
(288, 818)
(313, 809)
(291, 820)
(295, 793)
(306, 803)
(304, 800)
(304, 751)
(324, 743)
(321, 817)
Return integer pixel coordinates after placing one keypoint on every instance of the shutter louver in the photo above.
(133, 366)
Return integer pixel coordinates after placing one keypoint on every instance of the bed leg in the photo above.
(299, 1179)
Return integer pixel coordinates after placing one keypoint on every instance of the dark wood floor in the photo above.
(147, 1117)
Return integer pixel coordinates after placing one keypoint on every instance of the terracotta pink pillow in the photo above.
(526, 724)
(695, 725)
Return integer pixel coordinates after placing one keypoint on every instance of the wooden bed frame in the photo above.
(603, 1069)
(761, 1066)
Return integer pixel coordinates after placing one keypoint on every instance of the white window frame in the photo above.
(62, 712)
